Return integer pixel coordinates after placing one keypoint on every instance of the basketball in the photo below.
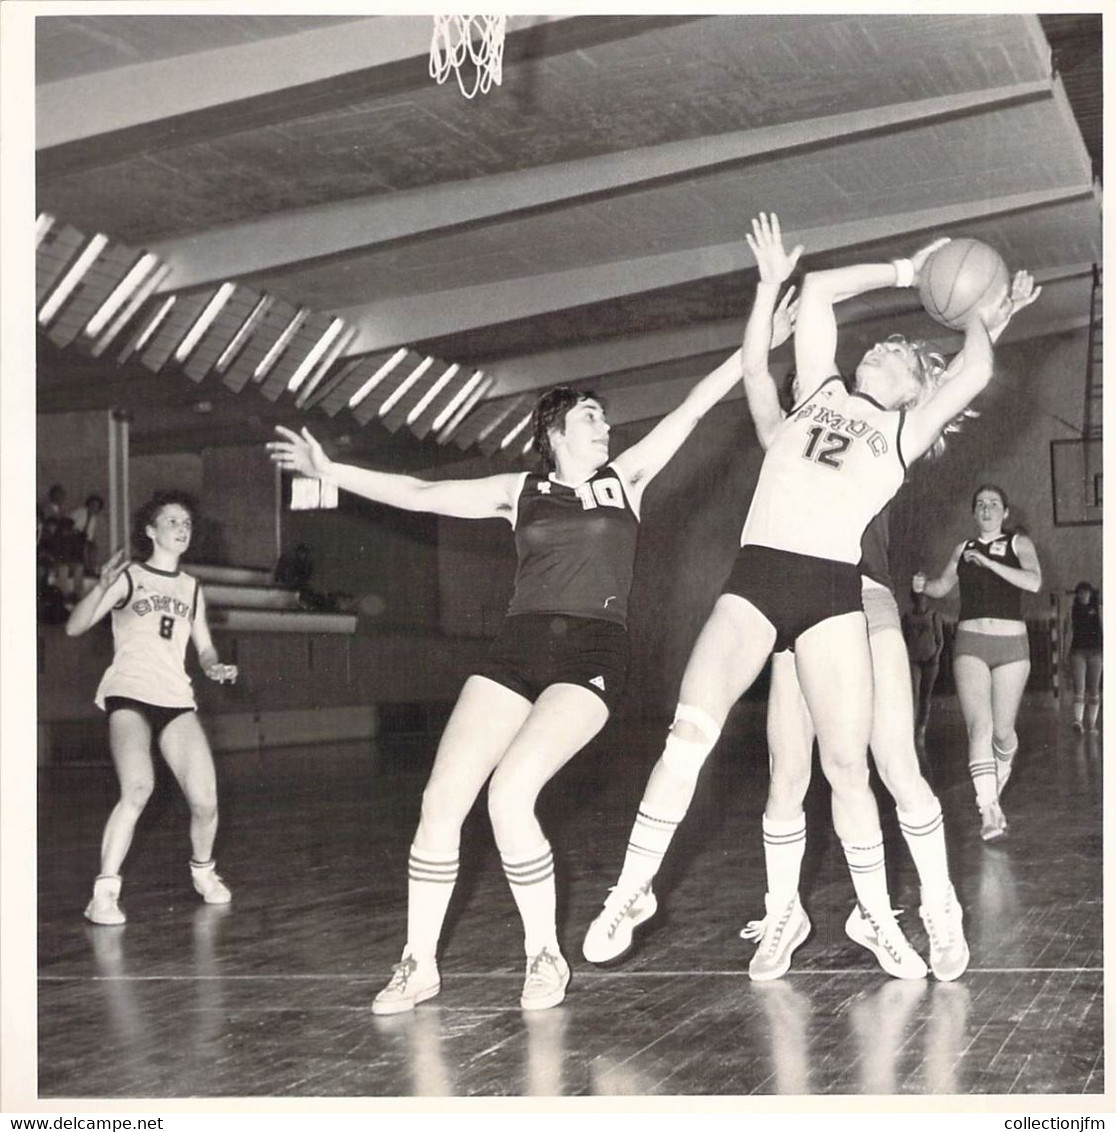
(959, 278)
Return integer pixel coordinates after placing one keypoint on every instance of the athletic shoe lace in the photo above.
(620, 912)
(536, 975)
(893, 949)
(401, 972)
(941, 924)
(758, 929)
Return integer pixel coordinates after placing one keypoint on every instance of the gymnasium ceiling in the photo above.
(582, 222)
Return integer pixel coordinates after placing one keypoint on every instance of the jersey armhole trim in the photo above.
(194, 605)
(513, 518)
(820, 386)
(128, 596)
(624, 489)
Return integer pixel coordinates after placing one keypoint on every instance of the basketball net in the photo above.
(470, 46)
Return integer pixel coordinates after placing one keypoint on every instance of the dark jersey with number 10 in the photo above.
(576, 547)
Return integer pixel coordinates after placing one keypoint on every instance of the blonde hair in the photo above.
(930, 372)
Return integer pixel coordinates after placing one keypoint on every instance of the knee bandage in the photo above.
(1008, 751)
(684, 758)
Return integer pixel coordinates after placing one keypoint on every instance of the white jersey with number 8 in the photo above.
(150, 628)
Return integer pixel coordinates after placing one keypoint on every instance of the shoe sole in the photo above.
(797, 942)
(884, 959)
(549, 1001)
(961, 970)
(402, 1006)
(626, 953)
(994, 834)
(105, 923)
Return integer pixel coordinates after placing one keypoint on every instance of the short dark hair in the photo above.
(990, 487)
(1090, 589)
(550, 412)
(149, 512)
(91, 499)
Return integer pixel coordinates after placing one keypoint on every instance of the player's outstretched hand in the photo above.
(766, 241)
(112, 570)
(299, 452)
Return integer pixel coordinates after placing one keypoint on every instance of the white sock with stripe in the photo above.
(532, 885)
(431, 876)
(784, 845)
(866, 867)
(647, 846)
(983, 774)
(924, 833)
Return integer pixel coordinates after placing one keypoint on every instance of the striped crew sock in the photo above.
(431, 875)
(532, 885)
(647, 846)
(784, 845)
(924, 833)
(866, 867)
(983, 774)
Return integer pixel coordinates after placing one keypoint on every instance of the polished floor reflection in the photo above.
(270, 996)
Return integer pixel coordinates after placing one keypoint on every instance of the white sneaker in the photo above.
(885, 939)
(104, 907)
(609, 937)
(949, 952)
(411, 982)
(993, 824)
(778, 933)
(548, 975)
(208, 885)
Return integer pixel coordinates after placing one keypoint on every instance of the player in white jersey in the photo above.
(829, 467)
(146, 692)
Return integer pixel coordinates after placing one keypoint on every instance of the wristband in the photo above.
(904, 272)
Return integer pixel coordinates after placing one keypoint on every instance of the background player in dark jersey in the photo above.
(146, 691)
(556, 668)
(991, 654)
(828, 468)
(1086, 655)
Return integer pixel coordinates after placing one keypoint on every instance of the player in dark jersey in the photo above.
(1086, 656)
(146, 692)
(556, 668)
(991, 654)
(828, 467)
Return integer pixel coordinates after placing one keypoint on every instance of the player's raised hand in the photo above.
(299, 453)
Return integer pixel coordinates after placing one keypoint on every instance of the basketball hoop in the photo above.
(470, 46)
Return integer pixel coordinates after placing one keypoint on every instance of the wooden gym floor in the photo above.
(270, 996)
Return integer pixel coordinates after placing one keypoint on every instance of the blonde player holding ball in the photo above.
(146, 692)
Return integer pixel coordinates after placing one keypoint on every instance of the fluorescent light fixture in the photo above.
(204, 321)
(133, 305)
(153, 324)
(465, 409)
(314, 356)
(405, 384)
(517, 430)
(527, 447)
(119, 294)
(281, 343)
(327, 361)
(456, 400)
(263, 305)
(43, 224)
(493, 424)
(377, 377)
(72, 277)
(428, 397)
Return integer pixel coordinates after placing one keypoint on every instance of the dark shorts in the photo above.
(157, 717)
(794, 592)
(534, 650)
(993, 649)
